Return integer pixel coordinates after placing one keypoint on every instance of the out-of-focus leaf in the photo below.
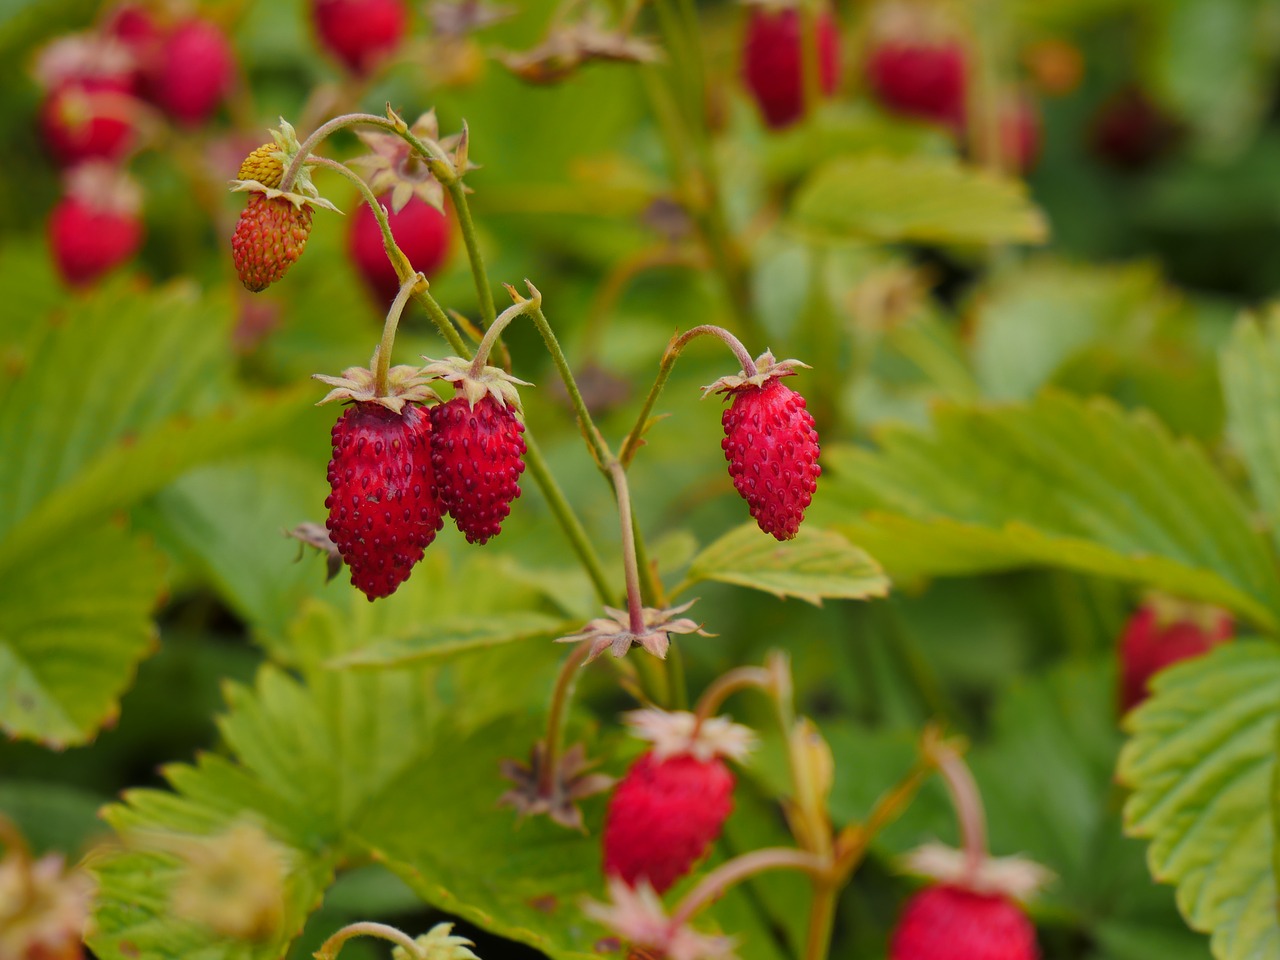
(446, 638)
(817, 563)
(1057, 482)
(1251, 384)
(917, 199)
(1201, 763)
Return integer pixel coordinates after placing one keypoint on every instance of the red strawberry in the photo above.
(1131, 132)
(88, 119)
(359, 32)
(420, 229)
(383, 511)
(1161, 633)
(920, 79)
(193, 72)
(477, 452)
(663, 816)
(270, 236)
(951, 923)
(773, 61)
(772, 449)
(95, 226)
(137, 30)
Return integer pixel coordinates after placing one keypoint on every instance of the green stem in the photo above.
(560, 697)
(822, 915)
(719, 880)
(635, 606)
(478, 274)
(389, 327)
(727, 684)
(599, 449)
(330, 948)
(441, 319)
(810, 63)
(321, 133)
(517, 309)
(674, 348)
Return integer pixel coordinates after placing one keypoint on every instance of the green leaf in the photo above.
(1060, 482)
(1251, 384)
(917, 199)
(448, 638)
(75, 619)
(1201, 763)
(817, 563)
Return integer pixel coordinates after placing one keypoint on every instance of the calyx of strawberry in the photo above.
(676, 733)
(614, 632)
(405, 384)
(554, 792)
(263, 171)
(767, 368)
(394, 167)
(487, 382)
(1017, 878)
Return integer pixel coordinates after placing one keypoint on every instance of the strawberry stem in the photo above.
(389, 327)
(635, 607)
(727, 684)
(967, 801)
(490, 338)
(673, 351)
(367, 928)
(560, 697)
(734, 871)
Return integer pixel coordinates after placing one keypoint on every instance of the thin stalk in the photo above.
(810, 63)
(321, 133)
(560, 698)
(719, 880)
(967, 800)
(727, 684)
(389, 327)
(822, 916)
(441, 319)
(669, 357)
(517, 309)
(599, 449)
(478, 274)
(367, 928)
(568, 520)
(635, 606)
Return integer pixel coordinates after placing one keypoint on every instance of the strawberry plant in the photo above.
(371, 579)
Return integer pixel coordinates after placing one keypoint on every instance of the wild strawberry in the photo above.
(383, 511)
(947, 922)
(421, 231)
(773, 61)
(1162, 632)
(88, 111)
(270, 236)
(771, 445)
(133, 26)
(95, 226)
(915, 63)
(670, 806)
(193, 72)
(360, 33)
(477, 452)
(264, 165)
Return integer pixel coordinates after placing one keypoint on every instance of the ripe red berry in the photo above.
(193, 72)
(383, 511)
(663, 816)
(950, 923)
(359, 32)
(420, 229)
(920, 79)
(133, 26)
(773, 61)
(1163, 632)
(478, 456)
(95, 226)
(269, 237)
(772, 449)
(86, 120)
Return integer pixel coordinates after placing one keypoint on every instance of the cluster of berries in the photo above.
(102, 89)
(915, 64)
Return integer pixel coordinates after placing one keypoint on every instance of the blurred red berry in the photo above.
(950, 923)
(134, 28)
(663, 816)
(773, 61)
(1163, 632)
(193, 72)
(920, 79)
(420, 229)
(360, 33)
(88, 120)
(1131, 132)
(95, 227)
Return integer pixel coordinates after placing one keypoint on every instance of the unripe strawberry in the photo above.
(478, 455)
(947, 922)
(360, 33)
(383, 511)
(920, 79)
(193, 72)
(772, 447)
(421, 231)
(270, 236)
(264, 165)
(1162, 632)
(773, 61)
(95, 227)
(663, 816)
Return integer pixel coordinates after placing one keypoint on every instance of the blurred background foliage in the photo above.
(1145, 267)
